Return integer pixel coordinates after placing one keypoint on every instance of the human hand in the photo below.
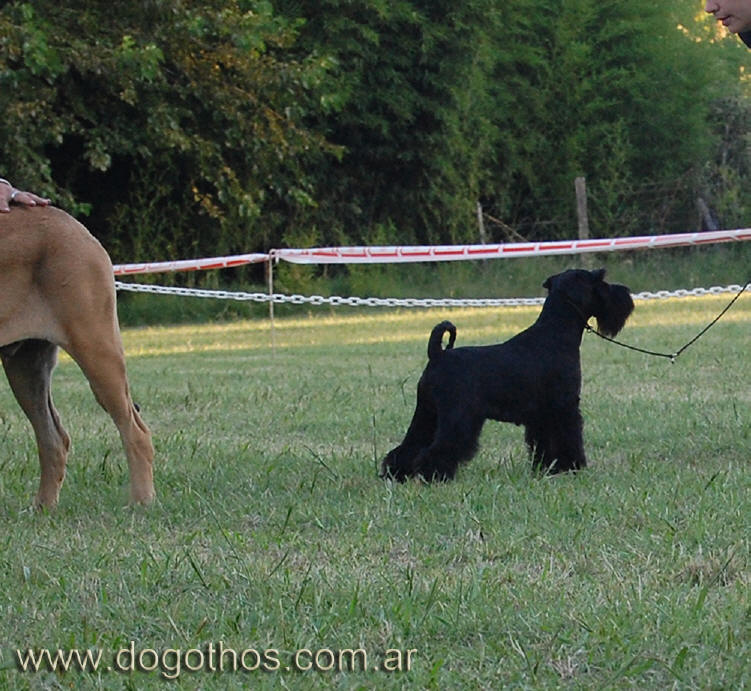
(10, 195)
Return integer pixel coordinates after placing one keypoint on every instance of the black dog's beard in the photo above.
(620, 306)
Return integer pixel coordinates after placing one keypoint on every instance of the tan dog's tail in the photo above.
(435, 342)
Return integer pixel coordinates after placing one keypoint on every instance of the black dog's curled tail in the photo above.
(435, 343)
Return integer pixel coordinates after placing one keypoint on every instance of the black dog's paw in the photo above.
(434, 475)
(390, 471)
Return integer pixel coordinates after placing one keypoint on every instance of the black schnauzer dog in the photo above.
(533, 379)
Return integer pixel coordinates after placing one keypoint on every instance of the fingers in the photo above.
(10, 195)
(29, 199)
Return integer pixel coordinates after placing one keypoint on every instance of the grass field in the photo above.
(272, 533)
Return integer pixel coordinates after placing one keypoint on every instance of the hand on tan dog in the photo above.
(9, 194)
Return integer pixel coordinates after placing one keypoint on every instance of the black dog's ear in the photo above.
(598, 274)
(548, 282)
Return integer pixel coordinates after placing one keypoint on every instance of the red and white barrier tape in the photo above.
(190, 264)
(442, 253)
(439, 253)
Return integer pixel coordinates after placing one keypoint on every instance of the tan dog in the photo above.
(57, 289)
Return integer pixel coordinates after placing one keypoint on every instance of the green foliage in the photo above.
(439, 105)
(723, 180)
(189, 129)
(410, 105)
(619, 96)
(178, 124)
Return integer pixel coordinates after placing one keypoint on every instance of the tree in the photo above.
(177, 125)
(438, 105)
(409, 104)
(618, 94)
(202, 128)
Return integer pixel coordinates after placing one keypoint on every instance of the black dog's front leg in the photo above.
(539, 447)
(556, 444)
(568, 439)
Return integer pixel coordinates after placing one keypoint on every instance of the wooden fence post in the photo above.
(481, 223)
(580, 185)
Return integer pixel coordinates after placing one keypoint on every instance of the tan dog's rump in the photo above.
(57, 289)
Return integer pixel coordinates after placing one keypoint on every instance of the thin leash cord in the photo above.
(672, 356)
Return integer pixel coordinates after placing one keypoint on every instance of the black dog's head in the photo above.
(591, 296)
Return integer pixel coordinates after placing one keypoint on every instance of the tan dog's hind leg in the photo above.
(29, 370)
(100, 355)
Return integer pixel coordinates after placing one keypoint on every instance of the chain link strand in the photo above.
(278, 298)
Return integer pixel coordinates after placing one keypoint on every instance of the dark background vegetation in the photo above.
(178, 129)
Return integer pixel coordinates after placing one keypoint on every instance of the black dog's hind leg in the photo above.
(399, 463)
(455, 442)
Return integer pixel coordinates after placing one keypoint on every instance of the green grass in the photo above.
(271, 530)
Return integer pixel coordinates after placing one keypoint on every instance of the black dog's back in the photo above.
(435, 342)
